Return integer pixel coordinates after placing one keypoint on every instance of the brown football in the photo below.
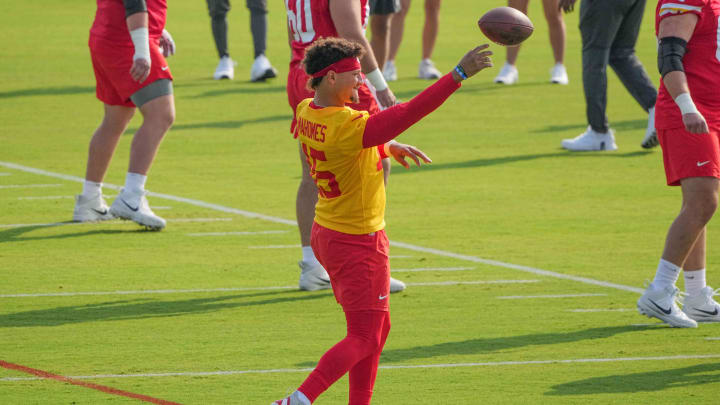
(506, 26)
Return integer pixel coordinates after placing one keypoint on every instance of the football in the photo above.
(506, 26)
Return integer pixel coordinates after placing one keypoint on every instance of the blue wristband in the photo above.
(461, 72)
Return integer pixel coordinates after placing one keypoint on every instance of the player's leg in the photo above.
(397, 28)
(218, 10)
(631, 71)
(427, 69)
(155, 102)
(90, 205)
(508, 73)
(312, 275)
(261, 68)
(362, 375)
(556, 27)
(598, 26)
(380, 18)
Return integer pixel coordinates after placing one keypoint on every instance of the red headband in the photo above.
(341, 66)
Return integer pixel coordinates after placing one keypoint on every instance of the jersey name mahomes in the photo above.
(312, 130)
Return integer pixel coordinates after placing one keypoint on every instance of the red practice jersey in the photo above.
(110, 20)
(701, 62)
(310, 20)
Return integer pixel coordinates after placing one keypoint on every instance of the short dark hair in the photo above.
(326, 51)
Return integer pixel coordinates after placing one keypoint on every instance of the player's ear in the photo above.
(331, 77)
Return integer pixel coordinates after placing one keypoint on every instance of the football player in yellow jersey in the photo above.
(343, 148)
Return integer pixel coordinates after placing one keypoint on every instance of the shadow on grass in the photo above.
(519, 158)
(223, 124)
(480, 346)
(148, 308)
(48, 91)
(16, 234)
(406, 95)
(617, 126)
(246, 89)
(642, 382)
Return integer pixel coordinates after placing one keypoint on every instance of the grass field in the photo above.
(523, 261)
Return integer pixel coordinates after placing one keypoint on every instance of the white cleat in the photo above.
(225, 69)
(390, 71)
(508, 74)
(396, 285)
(591, 140)
(558, 74)
(293, 399)
(91, 209)
(262, 69)
(702, 307)
(134, 207)
(313, 277)
(427, 70)
(650, 140)
(662, 304)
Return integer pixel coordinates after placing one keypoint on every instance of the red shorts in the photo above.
(112, 65)
(297, 91)
(690, 155)
(358, 266)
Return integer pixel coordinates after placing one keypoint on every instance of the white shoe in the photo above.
(427, 70)
(702, 307)
(558, 74)
(134, 207)
(91, 209)
(662, 304)
(508, 74)
(225, 69)
(262, 69)
(293, 399)
(396, 285)
(390, 71)
(650, 140)
(591, 140)
(313, 277)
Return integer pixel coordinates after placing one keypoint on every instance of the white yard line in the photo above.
(4, 174)
(522, 297)
(235, 289)
(243, 233)
(438, 252)
(602, 310)
(47, 197)
(712, 338)
(384, 367)
(434, 269)
(113, 222)
(30, 185)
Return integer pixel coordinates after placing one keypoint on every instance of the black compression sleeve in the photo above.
(134, 6)
(670, 54)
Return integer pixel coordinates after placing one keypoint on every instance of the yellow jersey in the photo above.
(351, 190)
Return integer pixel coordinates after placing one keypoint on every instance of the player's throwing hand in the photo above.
(473, 62)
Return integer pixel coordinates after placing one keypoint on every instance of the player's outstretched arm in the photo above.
(386, 125)
(673, 33)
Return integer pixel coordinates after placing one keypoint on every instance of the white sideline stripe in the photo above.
(438, 252)
(30, 185)
(47, 197)
(434, 269)
(114, 222)
(235, 233)
(473, 282)
(274, 247)
(603, 310)
(712, 338)
(160, 208)
(4, 174)
(520, 297)
(233, 289)
(384, 367)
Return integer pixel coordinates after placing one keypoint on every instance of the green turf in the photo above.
(500, 188)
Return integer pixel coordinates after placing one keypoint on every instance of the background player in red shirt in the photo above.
(341, 146)
(688, 124)
(308, 21)
(127, 43)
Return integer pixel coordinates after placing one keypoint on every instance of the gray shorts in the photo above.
(384, 7)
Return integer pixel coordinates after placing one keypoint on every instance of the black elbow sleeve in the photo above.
(134, 6)
(670, 54)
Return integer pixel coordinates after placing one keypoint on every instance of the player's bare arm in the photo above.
(346, 18)
(673, 33)
(136, 17)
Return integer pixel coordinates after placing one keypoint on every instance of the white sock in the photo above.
(694, 281)
(666, 275)
(135, 183)
(302, 398)
(91, 188)
(308, 256)
(651, 118)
